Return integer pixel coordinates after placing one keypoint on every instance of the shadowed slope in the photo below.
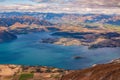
(100, 72)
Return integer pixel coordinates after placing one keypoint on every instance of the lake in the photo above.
(27, 50)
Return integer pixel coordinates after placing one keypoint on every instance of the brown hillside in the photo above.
(100, 72)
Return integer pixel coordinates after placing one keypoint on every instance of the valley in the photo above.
(50, 46)
(93, 30)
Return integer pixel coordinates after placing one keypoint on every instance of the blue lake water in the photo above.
(27, 50)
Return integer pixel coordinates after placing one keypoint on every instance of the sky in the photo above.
(61, 6)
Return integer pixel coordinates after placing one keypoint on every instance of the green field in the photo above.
(26, 76)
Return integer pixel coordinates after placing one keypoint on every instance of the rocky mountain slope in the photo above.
(110, 71)
(6, 36)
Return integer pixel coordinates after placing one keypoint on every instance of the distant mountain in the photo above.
(61, 18)
(9, 21)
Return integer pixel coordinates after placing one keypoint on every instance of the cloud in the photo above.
(52, 1)
(88, 3)
(65, 6)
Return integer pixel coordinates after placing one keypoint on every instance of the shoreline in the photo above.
(14, 72)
